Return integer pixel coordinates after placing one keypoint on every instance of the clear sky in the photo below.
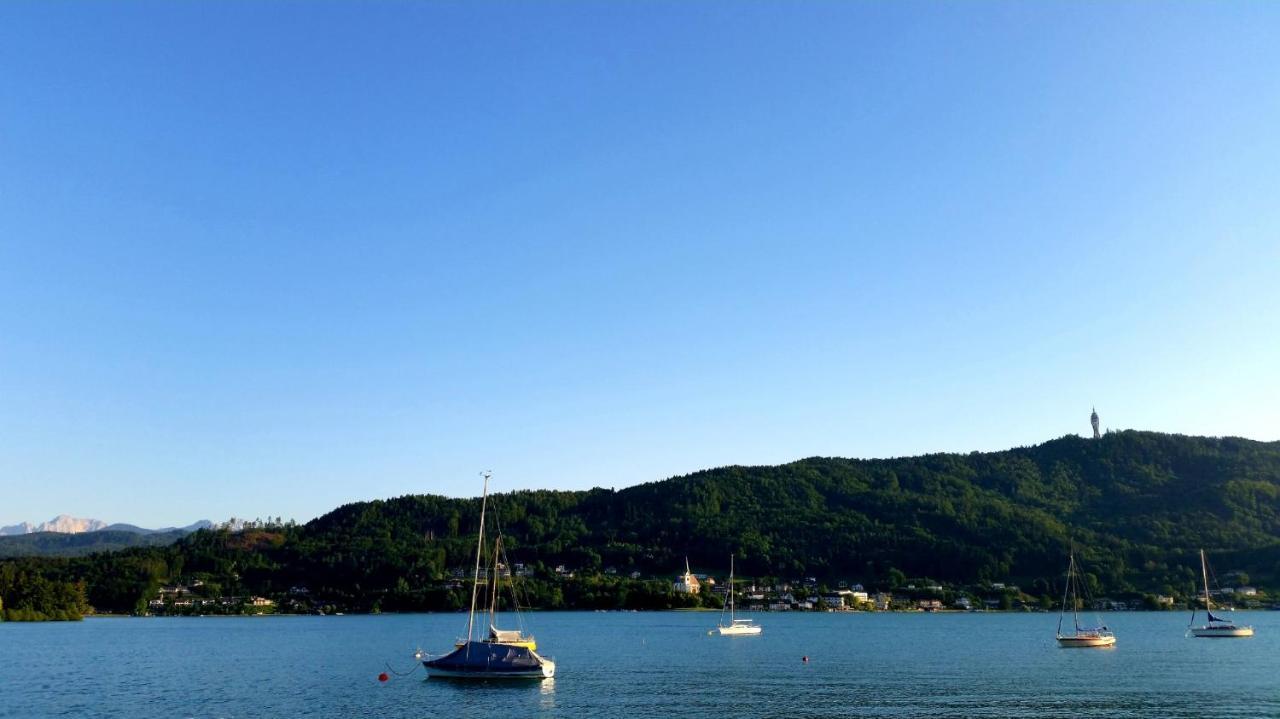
(266, 259)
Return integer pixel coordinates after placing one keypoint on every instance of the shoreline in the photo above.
(683, 610)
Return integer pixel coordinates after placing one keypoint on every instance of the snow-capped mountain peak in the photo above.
(67, 524)
(21, 528)
(63, 523)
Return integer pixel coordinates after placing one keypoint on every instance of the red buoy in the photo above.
(383, 677)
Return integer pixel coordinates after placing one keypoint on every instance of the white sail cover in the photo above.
(504, 636)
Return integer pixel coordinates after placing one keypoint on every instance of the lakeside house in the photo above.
(846, 599)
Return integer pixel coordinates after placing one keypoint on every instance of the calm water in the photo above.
(641, 665)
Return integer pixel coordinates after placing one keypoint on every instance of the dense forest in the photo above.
(1135, 505)
(26, 594)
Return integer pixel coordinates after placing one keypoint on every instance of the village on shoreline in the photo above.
(692, 592)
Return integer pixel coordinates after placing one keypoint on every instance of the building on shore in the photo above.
(687, 583)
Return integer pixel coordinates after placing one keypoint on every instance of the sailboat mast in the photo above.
(730, 588)
(1075, 617)
(1204, 574)
(1066, 590)
(475, 583)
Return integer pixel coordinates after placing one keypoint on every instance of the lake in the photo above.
(634, 665)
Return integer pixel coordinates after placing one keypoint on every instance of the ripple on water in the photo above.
(639, 665)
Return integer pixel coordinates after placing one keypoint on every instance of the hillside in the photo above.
(59, 544)
(1137, 505)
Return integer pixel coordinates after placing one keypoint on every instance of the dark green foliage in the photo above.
(1136, 505)
(27, 594)
(57, 544)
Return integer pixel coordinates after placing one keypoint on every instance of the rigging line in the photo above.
(1213, 575)
(416, 667)
(498, 553)
(515, 599)
(1066, 591)
(493, 600)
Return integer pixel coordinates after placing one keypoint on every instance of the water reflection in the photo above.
(548, 692)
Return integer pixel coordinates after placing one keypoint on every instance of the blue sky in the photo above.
(266, 259)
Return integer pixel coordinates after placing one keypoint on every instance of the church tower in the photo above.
(1093, 419)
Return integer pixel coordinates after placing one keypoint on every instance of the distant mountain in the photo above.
(63, 523)
(65, 536)
(66, 524)
(121, 527)
(62, 544)
(202, 524)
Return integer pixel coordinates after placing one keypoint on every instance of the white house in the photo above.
(846, 598)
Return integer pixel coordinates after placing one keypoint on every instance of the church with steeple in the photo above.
(687, 583)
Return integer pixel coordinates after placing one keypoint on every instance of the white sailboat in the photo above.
(736, 627)
(1214, 627)
(503, 653)
(1097, 636)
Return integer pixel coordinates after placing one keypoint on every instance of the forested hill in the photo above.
(1136, 505)
(61, 544)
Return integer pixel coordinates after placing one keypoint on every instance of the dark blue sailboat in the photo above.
(501, 654)
(491, 660)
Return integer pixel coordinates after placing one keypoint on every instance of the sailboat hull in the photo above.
(1221, 632)
(546, 671)
(491, 660)
(1087, 641)
(738, 631)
